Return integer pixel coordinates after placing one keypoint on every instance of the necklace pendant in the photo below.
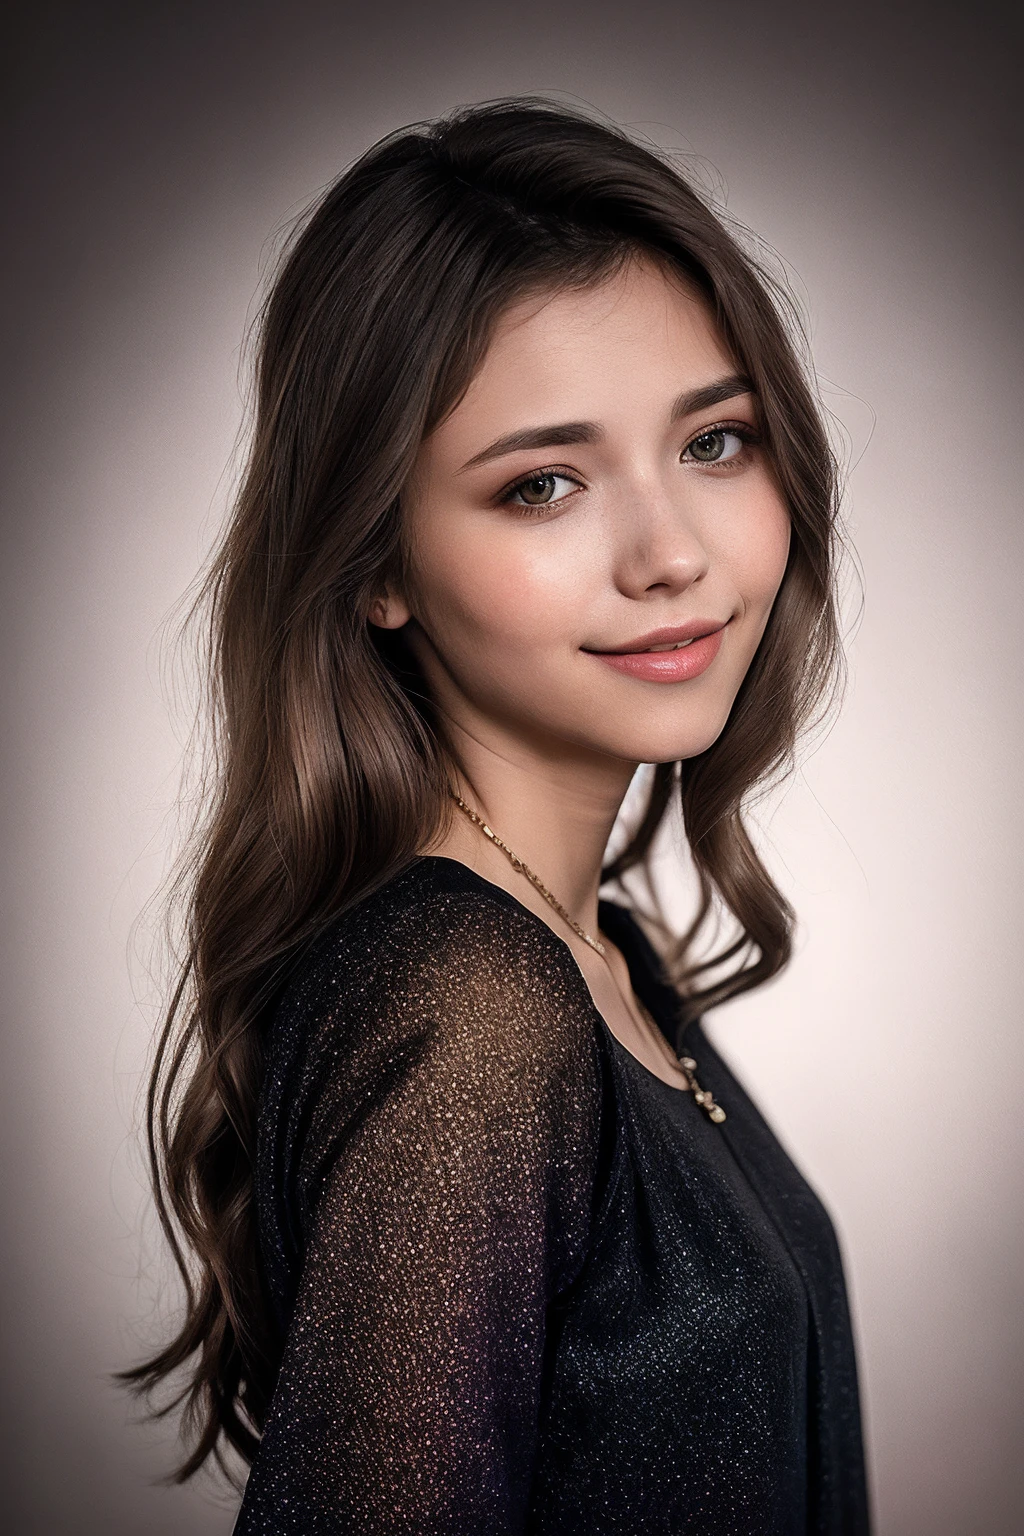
(714, 1111)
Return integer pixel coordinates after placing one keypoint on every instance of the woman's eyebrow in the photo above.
(716, 393)
(569, 433)
(563, 435)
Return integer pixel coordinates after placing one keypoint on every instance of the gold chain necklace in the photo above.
(524, 869)
(714, 1111)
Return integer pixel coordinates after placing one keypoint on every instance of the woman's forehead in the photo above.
(635, 341)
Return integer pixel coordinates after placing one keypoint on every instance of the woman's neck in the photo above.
(556, 815)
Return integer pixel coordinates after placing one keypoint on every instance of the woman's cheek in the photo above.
(757, 550)
(517, 596)
(777, 555)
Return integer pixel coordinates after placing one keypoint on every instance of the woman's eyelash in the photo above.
(748, 436)
(552, 471)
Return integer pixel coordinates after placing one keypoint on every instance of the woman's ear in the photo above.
(389, 611)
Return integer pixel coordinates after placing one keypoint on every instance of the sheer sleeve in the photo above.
(439, 1082)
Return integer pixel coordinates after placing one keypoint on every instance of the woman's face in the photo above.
(596, 538)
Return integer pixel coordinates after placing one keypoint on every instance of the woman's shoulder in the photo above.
(434, 919)
(437, 953)
(440, 1024)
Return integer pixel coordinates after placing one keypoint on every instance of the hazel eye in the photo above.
(540, 490)
(715, 446)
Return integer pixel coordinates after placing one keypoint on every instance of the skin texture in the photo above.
(506, 602)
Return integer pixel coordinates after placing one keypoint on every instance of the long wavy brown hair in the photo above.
(330, 773)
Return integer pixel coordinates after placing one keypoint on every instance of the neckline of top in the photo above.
(505, 898)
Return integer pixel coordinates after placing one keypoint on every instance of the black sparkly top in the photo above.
(525, 1285)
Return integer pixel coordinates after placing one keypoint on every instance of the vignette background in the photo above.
(157, 150)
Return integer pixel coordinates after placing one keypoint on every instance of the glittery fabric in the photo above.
(527, 1287)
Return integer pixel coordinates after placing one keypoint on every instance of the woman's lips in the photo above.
(665, 666)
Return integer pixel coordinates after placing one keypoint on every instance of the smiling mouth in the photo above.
(674, 637)
(658, 657)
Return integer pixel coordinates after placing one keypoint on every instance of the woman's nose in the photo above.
(660, 550)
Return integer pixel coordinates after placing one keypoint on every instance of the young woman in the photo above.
(481, 1236)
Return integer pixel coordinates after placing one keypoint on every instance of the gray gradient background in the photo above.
(156, 152)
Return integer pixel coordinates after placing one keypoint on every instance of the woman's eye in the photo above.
(541, 490)
(715, 446)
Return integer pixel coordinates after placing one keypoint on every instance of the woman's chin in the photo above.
(669, 744)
